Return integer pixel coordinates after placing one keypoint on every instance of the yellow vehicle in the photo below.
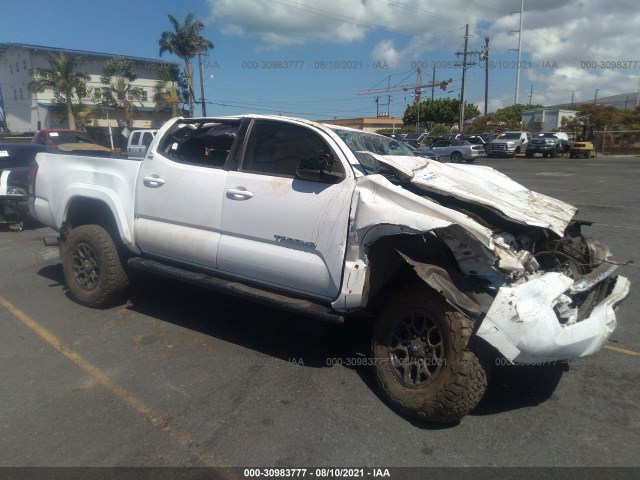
(583, 146)
(582, 149)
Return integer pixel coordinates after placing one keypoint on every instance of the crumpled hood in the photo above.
(485, 186)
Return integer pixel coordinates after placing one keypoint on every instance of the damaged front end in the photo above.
(562, 307)
(510, 259)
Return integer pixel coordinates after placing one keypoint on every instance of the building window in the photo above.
(15, 94)
(17, 67)
(21, 95)
(138, 94)
(11, 69)
(24, 64)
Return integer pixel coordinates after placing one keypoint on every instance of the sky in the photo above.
(310, 58)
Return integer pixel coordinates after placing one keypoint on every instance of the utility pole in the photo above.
(417, 89)
(519, 52)
(464, 73)
(203, 103)
(572, 93)
(377, 109)
(418, 96)
(433, 82)
(389, 106)
(464, 66)
(531, 95)
(484, 56)
(595, 98)
(638, 95)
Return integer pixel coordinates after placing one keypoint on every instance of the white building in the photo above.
(21, 110)
(545, 119)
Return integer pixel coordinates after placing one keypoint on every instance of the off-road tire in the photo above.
(456, 386)
(93, 268)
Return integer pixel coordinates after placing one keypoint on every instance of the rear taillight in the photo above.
(33, 171)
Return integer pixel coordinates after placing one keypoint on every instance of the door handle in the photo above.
(239, 193)
(154, 181)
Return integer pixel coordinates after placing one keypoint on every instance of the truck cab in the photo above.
(139, 142)
(509, 144)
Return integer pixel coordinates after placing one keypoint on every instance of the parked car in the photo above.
(509, 144)
(450, 136)
(395, 136)
(15, 160)
(457, 151)
(70, 141)
(482, 139)
(424, 153)
(138, 143)
(415, 139)
(454, 264)
(549, 144)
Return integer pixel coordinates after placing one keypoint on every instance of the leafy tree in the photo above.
(118, 74)
(513, 113)
(592, 117)
(442, 110)
(507, 118)
(630, 120)
(439, 129)
(185, 41)
(170, 90)
(64, 80)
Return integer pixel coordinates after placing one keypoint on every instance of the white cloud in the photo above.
(564, 35)
(290, 22)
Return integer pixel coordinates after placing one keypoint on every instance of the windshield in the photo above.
(361, 142)
(69, 137)
(510, 136)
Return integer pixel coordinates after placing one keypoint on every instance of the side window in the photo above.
(206, 144)
(135, 138)
(276, 148)
(147, 138)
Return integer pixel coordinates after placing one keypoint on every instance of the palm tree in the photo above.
(63, 79)
(170, 89)
(185, 41)
(118, 74)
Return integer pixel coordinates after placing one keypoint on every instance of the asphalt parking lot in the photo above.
(183, 377)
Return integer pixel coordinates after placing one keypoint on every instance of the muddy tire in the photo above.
(423, 359)
(93, 268)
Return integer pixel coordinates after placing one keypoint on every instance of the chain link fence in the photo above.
(617, 142)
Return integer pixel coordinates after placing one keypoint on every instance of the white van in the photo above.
(139, 141)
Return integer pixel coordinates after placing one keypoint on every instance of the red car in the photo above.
(70, 141)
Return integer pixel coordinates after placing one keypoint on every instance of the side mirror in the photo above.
(318, 168)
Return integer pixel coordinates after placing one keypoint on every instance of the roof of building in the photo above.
(623, 101)
(6, 45)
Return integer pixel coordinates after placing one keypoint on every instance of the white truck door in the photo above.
(179, 192)
(133, 151)
(279, 230)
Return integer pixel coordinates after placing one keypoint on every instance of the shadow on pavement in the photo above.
(308, 342)
(518, 386)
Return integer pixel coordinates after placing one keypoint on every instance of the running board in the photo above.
(241, 290)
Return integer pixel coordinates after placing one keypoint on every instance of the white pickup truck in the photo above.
(453, 263)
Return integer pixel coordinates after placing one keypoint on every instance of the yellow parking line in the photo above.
(178, 435)
(622, 350)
